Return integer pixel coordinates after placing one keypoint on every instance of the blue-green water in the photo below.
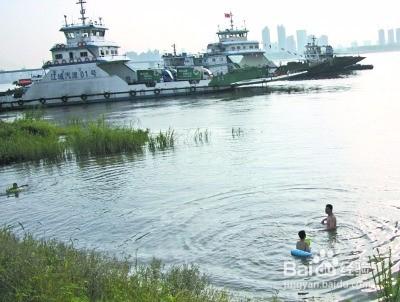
(234, 204)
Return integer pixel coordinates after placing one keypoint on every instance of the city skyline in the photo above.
(295, 43)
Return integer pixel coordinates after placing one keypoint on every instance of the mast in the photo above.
(83, 11)
(231, 20)
(174, 47)
(313, 39)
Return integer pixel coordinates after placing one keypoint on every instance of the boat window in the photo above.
(58, 56)
(102, 52)
(213, 59)
(233, 48)
(71, 55)
(84, 54)
(251, 46)
(101, 33)
(70, 35)
(238, 47)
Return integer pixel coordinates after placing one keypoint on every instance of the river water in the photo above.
(234, 203)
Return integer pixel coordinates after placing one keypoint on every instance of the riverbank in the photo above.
(33, 138)
(39, 270)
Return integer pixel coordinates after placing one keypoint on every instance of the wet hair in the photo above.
(15, 185)
(302, 234)
(329, 206)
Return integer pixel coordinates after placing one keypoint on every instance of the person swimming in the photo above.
(302, 244)
(15, 189)
(329, 221)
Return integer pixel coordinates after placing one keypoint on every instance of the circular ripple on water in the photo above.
(245, 245)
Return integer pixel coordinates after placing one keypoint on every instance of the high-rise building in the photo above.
(266, 38)
(282, 37)
(290, 43)
(323, 40)
(301, 40)
(398, 35)
(381, 37)
(390, 36)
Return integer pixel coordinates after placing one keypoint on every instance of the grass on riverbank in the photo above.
(385, 278)
(32, 138)
(32, 270)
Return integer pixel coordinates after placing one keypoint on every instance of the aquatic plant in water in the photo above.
(31, 138)
(162, 140)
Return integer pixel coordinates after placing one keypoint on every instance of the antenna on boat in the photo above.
(65, 18)
(313, 39)
(174, 47)
(83, 11)
(231, 20)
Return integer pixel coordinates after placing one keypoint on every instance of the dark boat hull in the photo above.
(333, 66)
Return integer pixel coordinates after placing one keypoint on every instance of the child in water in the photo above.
(303, 244)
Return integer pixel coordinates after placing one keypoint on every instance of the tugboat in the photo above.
(320, 61)
(88, 69)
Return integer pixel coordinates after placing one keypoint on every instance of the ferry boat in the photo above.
(234, 51)
(232, 58)
(87, 68)
(320, 61)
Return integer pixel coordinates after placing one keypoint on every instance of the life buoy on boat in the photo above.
(87, 59)
(107, 95)
(71, 60)
(84, 97)
(132, 93)
(79, 60)
(56, 62)
(64, 61)
(157, 91)
(42, 101)
(64, 99)
(20, 102)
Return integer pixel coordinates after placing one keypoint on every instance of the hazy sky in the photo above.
(28, 28)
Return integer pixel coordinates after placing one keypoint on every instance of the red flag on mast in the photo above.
(228, 15)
